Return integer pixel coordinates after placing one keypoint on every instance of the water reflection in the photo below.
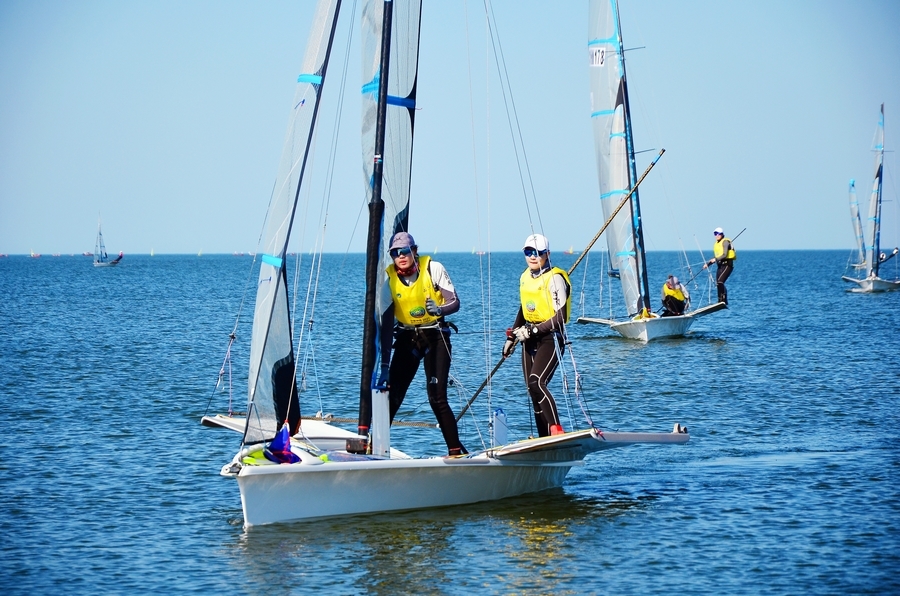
(522, 544)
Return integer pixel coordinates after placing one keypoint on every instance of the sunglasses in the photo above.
(396, 252)
(533, 252)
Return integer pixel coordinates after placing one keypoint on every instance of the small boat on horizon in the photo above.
(101, 259)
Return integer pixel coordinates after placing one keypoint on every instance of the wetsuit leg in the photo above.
(722, 274)
(673, 306)
(539, 363)
(404, 365)
(437, 370)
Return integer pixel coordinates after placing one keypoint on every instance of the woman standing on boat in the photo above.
(540, 327)
(724, 260)
(421, 295)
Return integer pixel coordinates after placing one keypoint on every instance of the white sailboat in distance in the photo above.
(617, 173)
(873, 256)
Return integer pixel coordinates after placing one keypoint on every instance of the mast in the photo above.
(636, 224)
(374, 236)
(875, 205)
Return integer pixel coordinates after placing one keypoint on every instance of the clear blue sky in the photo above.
(167, 119)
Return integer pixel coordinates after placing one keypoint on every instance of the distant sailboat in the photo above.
(872, 257)
(617, 173)
(101, 259)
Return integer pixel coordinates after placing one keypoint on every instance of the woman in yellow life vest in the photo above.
(540, 325)
(724, 260)
(675, 297)
(421, 295)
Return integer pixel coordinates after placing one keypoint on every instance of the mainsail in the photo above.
(874, 222)
(857, 227)
(614, 144)
(272, 382)
(386, 152)
(100, 255)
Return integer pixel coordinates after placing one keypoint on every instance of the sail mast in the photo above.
(636, 223)
(875, 205)
(374, 236)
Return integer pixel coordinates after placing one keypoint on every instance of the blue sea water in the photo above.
(790, 483)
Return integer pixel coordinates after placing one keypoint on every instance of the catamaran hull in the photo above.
(872, 284)
(656, 327)
(271, 494)
(315, 490)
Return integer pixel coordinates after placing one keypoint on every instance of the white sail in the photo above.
(857, 227)
(401, 102)
(272, 386)
(100, 255)
(614, 147)
(874, 222)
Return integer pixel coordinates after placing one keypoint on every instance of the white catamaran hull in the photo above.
(873, 284)
(314, 489)
(655, 327)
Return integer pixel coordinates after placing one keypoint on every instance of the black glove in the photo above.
(384, 379)
(432, 308)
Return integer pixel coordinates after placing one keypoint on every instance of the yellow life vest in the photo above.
(534, 292)
(678, 294)
(719, 250)
(409, 300)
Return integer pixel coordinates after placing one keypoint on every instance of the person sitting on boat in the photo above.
(724, 260)
(119, 258)
(675, 297)
(544, 293)
(421, 295)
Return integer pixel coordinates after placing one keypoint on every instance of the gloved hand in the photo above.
(524, 332)
(432, 308)
(384, 378)
(509, 347)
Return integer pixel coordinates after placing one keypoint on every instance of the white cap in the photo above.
(718, 231)
(537, 242)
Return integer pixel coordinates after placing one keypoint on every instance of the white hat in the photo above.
(537, 242)
(718, 231)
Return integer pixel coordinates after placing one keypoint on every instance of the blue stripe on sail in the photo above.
(310, 78)
(404, 102)
(611, 193)
(625, 253)
(614, 135)
(602, 113)
(597, 42)
(371, 86)
(273, 261)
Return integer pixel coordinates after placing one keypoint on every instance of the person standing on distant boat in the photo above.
(544, 293)
(724, 260)
(675, 297)
(421, 295)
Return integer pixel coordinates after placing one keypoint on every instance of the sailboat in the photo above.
(614, 145)
(860, 252)
(871, 256)
(101, 259)
(288, 471)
